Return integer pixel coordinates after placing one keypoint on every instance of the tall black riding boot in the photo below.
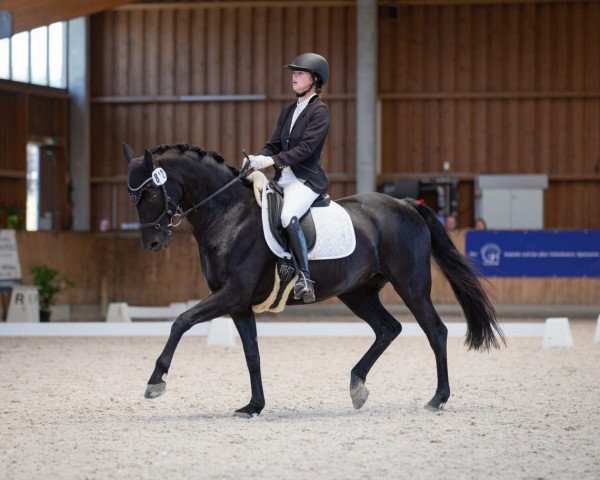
(304, 285)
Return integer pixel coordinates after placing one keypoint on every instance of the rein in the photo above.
(159, 178)
(181, 216)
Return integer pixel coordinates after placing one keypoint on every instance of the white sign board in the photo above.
(10, 268)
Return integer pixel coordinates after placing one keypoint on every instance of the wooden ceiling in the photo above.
(35, 13)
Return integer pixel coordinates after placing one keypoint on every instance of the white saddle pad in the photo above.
(335, 233)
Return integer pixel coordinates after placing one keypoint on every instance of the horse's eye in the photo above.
(154, 197)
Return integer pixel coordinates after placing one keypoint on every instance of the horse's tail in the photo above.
(478, 310)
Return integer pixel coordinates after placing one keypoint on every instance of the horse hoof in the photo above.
(153, 391)
(359, 395)
(435, 405)
(241, 414)
(249, 411)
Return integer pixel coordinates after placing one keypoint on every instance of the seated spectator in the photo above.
(451, 222)
(480, 224)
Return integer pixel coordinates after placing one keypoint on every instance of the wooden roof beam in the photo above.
(36, 13)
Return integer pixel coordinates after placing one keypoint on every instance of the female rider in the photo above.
(295, 152)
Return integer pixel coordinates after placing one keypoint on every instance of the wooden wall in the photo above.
(12, 154)
(490, 87)
(28, 113)
(500, 88)
(114, 268)
(148, 60)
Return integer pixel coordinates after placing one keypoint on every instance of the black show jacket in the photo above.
(301, 148)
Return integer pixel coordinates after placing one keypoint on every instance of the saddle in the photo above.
(275, 204)
(336, 237)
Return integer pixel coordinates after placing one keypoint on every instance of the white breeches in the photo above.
(297, 197)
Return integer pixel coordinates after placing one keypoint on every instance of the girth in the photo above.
(275, 205)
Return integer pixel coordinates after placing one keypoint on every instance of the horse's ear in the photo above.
(128, 152)
(148, 160)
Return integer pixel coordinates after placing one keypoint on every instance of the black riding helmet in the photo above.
(313, 63)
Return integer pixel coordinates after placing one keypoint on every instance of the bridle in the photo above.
(159, 179)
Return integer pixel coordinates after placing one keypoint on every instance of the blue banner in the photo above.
(535, 253)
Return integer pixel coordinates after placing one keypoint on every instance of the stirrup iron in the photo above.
(304, 288)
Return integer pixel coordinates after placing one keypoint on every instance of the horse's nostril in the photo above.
(155, 246)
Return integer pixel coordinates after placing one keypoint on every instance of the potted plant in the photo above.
(50, 283)
(13, 220)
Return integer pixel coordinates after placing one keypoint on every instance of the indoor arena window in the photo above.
(37, 56)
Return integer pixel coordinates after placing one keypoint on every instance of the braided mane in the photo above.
(197, 153)
(185, 149)
(192, 151)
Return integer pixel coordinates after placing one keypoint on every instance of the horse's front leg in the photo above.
(215, 305)
(246, 327)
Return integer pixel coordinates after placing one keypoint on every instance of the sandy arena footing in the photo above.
(74, 408)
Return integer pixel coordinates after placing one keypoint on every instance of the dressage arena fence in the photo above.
(555, 332)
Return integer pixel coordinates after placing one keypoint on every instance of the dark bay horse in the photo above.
(395, 240)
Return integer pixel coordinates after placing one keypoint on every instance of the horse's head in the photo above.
(155, 196)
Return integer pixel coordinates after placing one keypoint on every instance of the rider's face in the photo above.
(301, 81)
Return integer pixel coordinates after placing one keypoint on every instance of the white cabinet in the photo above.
(511, 201)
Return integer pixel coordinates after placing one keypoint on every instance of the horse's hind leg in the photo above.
(437, 334)
(365, 303)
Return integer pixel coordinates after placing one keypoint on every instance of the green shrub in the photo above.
(50, 283)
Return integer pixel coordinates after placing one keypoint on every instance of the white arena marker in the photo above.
(558, 333)
(123, 312)
(597, 336)
(24, 305)
(118, 312)
(221, 332)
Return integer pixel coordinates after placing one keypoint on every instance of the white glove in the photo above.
(245, 161)
(259, 162)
